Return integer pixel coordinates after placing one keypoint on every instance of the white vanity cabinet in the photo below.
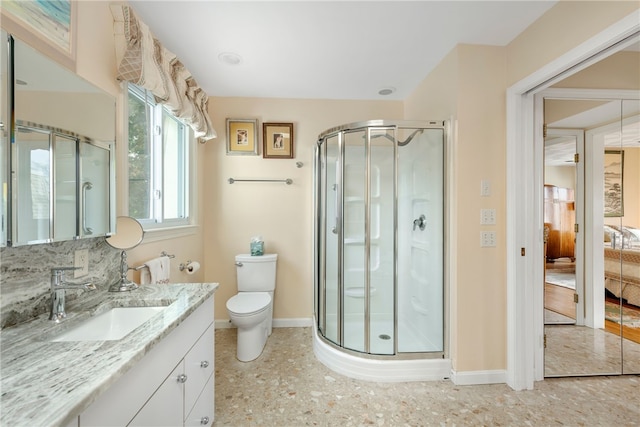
(172, 385)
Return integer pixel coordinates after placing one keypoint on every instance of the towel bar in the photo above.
(140, 267)
(287, 181)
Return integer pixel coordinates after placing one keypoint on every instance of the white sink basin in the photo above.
(110, 325)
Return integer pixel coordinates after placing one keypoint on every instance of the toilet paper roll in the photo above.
(192, 267)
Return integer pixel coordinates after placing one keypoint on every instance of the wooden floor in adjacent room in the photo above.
(560, 300)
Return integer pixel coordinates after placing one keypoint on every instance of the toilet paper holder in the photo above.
(189, 267)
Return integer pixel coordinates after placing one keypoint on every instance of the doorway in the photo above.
(525, 325)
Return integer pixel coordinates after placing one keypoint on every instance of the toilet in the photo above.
(251, 310)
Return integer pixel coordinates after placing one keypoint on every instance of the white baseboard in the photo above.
(302, 322)
(223, 324)
(479, 377)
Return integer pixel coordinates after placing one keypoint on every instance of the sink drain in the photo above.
(384, 337)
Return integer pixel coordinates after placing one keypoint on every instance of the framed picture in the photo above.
(613, 183)
(277, 140)
(49, 26)
(242, 137)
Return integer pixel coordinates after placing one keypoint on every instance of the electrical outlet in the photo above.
(485, 188)
(81, 259)
(487, 216)
(487, 239)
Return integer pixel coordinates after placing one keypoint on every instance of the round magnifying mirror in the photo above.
(129, 233)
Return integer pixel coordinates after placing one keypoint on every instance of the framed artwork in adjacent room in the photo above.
(613, 183)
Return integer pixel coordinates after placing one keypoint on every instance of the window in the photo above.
(158, 163)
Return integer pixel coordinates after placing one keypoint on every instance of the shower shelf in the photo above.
(421, 246)
(359, 241)
(358, 291)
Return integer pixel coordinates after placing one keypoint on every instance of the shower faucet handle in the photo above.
(420, 223)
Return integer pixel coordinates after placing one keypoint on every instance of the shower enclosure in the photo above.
(379, 239)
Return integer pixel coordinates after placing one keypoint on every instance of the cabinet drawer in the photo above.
(202, 413)
(198, 367)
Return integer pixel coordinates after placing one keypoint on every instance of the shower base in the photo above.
(390, 369)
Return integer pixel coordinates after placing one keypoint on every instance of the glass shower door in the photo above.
(381, 242)
(329, 298)
(354, 237)
(420, 240)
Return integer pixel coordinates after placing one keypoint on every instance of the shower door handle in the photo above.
(334, 229)
(421, 223)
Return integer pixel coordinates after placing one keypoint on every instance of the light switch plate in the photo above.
(81, 259)
(488, 239)
(487, 216)
(485, 188)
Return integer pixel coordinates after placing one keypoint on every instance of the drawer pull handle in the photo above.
(204, 364)
(182, 378)
(204, 421)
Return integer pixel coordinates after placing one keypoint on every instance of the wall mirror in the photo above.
(129, 234)
(57, 162)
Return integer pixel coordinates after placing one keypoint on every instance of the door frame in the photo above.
(525, 352)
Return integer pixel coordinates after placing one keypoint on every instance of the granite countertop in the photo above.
(45, 383)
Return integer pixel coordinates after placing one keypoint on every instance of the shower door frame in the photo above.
(320, 230)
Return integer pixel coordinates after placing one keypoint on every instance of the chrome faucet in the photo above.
(58, 287)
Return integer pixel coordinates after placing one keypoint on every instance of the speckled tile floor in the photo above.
(287, 386)
(579, 350)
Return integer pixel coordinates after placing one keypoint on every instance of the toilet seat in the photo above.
(248, 303)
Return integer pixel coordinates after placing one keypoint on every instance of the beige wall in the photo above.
(622, 71)
(560, 176)
(281, 214)
(564, 27)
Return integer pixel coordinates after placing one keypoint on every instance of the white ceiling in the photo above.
(327, 49)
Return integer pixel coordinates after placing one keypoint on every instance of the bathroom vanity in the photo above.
(161, 373)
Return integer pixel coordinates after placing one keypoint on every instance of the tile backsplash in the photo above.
(25, 274)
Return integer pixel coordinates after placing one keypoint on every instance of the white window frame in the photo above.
(168, 229)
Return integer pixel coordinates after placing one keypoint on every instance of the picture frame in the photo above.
(50, 27)
(242, 137)
(277, 140)
(613, 183)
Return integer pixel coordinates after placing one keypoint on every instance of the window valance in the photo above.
(143, 60)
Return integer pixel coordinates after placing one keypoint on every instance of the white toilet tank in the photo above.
(256, 273)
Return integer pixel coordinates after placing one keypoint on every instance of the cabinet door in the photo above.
(203, 411)
(64, 200)
(198, 367)
(95, 190)
(31, 176)
(164, 408)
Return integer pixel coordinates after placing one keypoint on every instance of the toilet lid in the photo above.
(248, 302)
